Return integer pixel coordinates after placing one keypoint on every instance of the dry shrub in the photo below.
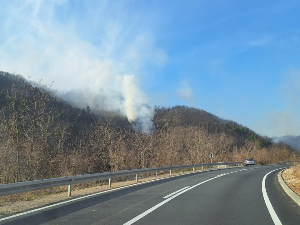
(296, 171)
(31, 195)
(292, 178)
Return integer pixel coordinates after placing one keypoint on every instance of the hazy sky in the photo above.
(239, 60)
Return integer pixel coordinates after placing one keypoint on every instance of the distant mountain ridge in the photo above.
(293, 141)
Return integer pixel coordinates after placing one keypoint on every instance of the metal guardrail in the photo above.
(14, 188)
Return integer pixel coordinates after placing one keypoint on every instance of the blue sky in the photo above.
(239, 60)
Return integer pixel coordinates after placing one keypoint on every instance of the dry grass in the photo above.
(25, 201)
(291, 177)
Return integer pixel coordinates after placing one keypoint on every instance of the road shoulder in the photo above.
(287, 189)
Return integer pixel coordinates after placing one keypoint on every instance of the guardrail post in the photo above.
(136, 178)
(7, 189)
(69, 190)
(109, 182)
(156, 174)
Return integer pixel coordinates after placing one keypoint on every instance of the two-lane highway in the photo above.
(248, 195)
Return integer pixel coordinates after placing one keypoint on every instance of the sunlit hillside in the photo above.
(42, 136)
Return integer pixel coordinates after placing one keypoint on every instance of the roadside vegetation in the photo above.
(24, 201)
(291, 177)
(42, 137)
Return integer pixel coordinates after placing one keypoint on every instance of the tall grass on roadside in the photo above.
(296, 171)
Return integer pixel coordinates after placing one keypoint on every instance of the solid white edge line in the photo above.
(83, 197)
(78, 198)
(271, 210)
(175, 192)
(265, 195)
(135, 219)
(164, 202)
(140, 216)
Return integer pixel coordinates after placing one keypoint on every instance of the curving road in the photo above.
(248, 195)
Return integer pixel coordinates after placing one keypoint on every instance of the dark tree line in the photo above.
(43, 137)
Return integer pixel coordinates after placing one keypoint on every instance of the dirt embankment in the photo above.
(291, 177)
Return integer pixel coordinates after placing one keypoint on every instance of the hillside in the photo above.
(293, 141)
(187, 116)
(42, 136)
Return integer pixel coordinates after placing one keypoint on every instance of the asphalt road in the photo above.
(230, 196)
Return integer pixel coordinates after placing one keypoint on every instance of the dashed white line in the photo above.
(83, 197)
(267, 201)
(167, 196)
(164, 202)
(135, 219)
(76, 199)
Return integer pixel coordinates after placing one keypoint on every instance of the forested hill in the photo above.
(293, 141)
(42, 137)
(187, 116)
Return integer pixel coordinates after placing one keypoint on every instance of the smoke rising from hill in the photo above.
(285, 120)
(293, 141)
(107, 91)
(102, 66)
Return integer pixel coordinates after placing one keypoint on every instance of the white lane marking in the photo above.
(167, 200)
(167, 196)
(221, 175)
(79, 198)
(60, 203)
(271, 210)
(135, 219)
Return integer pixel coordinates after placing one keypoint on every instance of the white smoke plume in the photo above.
(97, 63)
(186, 93)
(286, 120)
(107, 91)
(130, 90)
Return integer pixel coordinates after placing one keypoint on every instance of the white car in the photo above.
(249, 162)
